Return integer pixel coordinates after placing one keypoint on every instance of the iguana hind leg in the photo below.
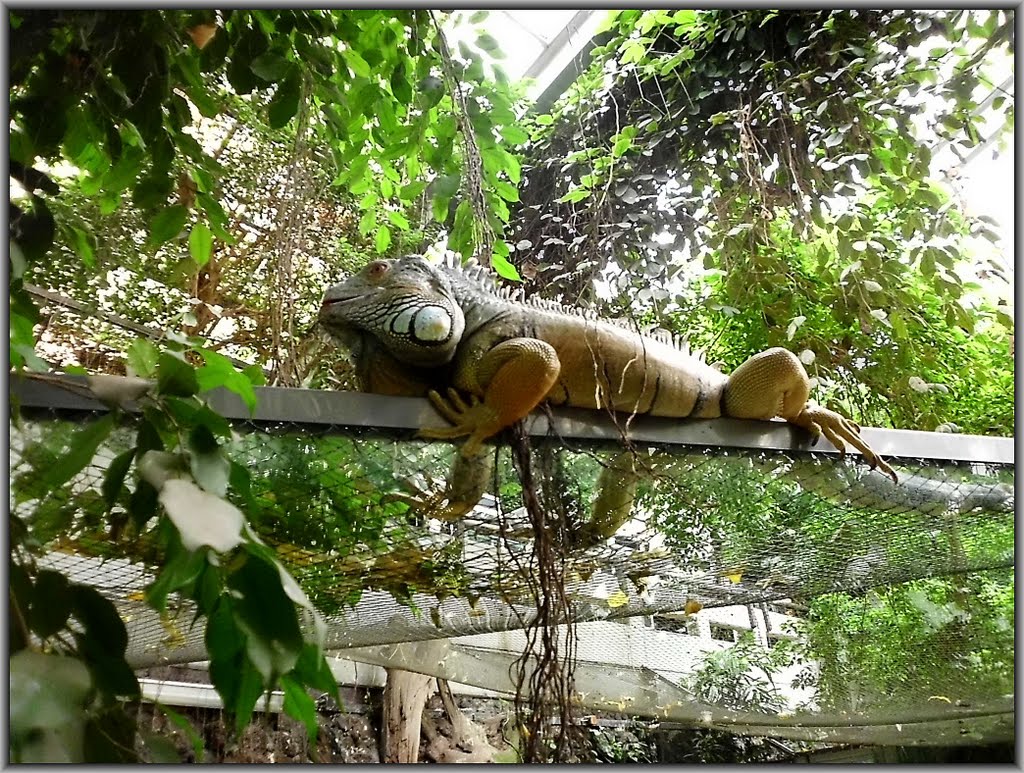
(613, 503)
(513, 378)
(774, 383)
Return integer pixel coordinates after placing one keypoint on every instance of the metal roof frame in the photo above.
(331, 409)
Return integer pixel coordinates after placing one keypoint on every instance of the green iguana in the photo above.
(501, 357)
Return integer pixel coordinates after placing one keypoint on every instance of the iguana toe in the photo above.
(433, 504)
(837, 429)
(468, 417)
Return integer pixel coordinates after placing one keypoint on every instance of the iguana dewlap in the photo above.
(508, 356)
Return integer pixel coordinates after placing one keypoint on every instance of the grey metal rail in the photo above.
(354, 409)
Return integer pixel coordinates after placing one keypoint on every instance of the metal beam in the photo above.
(352, 409)
(560, 41)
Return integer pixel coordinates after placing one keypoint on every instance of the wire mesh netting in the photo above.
(895, 599)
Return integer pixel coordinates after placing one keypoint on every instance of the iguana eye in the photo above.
(376, 270)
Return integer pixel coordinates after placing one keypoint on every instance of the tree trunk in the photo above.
(405, 693)
(460, 739)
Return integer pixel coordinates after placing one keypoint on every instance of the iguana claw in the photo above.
(474, 418)
(433, 504)
(837, 428)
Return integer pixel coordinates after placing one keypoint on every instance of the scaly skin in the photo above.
(507, 356)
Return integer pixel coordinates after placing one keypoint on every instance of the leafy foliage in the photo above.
(742, 677)
(119, 186)
(756, 178)
(177, 497)
(752, 177)
(371, 100)
(893, 645)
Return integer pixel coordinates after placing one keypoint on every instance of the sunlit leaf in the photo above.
(200, 243)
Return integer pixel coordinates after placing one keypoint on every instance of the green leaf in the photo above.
(367, 222)
(432, 89)
(124, 172)
(160, 749)
(383, 238)
(81, 451)
(512, 167)
(271, 66)
(439, 208)
(200, 243)
(167, 224)
(219, 371)
(285, 103)
(412, 191)
(113, 480)
(83, 246)
(357, 63)
(269, 618)
(98, 615)
(111, 673)
(142, 358)
(142, 504)
(51, 603)
(181, 570)
(514, 135)
(447, 185)
(153, 190)
(212, 56)
(222, 638)
(506, 191)
(576, 194)
(300, 706)
(400, 85)
(312, 669)
(198, 749)
(478, 17)
(24, 315)
(174, 376)
(504, 268)
(250, 687)
(255, 375)
(461, 237)
(399, 220)
(207, 462)
(47, 692)
(487, 43)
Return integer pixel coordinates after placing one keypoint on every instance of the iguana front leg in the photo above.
(467, 481)
(774, 383)
(513, 378)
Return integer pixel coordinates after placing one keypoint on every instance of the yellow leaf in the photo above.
(202, 33)
(734, 578)
(618, 599)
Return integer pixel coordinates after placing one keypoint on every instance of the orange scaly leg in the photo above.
(514, 376)
(774, 383)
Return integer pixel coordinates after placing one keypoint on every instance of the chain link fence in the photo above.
(898, 597)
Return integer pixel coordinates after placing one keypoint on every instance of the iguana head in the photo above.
(407, 304)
